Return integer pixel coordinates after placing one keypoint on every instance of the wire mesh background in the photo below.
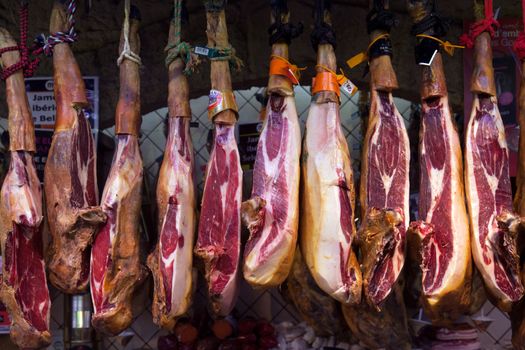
(269, 304)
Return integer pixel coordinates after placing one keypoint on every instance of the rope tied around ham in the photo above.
(379, 18)
(323, 32)
(279, 31)
(488, 24)
(69, 36)
(43, 44)
(178, 48)
(127, 53)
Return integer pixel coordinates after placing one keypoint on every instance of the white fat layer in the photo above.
(177, 173)
(327, 152)
(126, 170)
(24, 199)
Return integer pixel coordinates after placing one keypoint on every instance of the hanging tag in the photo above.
(349, 87)
(291, 75)
(357, 59)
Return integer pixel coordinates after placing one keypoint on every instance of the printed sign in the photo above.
(248, 139)
(507, 78)
(42, 102)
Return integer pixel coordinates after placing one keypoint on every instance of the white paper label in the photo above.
(349, 87)
(199, 50)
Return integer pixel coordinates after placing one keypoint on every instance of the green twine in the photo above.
(214, 5)
(182, 50)
(178, 48)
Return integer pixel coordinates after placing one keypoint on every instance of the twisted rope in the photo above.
(47, 43)
(488, 24)
(126, 52)
(178, 48)
(26, 64)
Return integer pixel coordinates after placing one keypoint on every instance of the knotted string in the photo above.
(178, 48)
(126, 52)
(519, 44)
(47, 43)
(26, 64)
(489, 24)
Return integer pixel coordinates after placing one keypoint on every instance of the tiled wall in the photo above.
(143, 333)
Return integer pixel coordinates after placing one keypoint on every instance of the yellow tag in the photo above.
(357, 59)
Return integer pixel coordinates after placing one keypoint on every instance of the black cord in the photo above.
(279, 31)
(432, 24)
(214, 5)
(380, 19)
(323, 32)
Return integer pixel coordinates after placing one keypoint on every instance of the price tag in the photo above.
(203, 51)
(349, 87)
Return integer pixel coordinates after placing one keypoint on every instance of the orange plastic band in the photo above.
(325, 81)
(331, 81)
(281, 66)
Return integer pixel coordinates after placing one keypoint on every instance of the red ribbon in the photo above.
(519, 44)
(488, 24)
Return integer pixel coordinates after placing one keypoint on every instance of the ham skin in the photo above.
(23, 287)
(116, 258)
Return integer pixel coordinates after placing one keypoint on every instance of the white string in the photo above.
(126, 50)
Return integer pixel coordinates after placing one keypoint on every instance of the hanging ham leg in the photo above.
(70, 181)
(272, 214)
(218, 243)
(517, 315)
(384, 182)
(23, 288)
(116, 266)
(442, 238)
(488, 188)
(172, 261)
(327, 211)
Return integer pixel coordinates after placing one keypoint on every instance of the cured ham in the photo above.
(321, 312)
(327, 198)
(23, 288)
(384, 180)
(487, 185)
(219, 236)
(116, 257)
(272, 213)
(70, 181)
(442, 237)
(171, 263)
(385, 329)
